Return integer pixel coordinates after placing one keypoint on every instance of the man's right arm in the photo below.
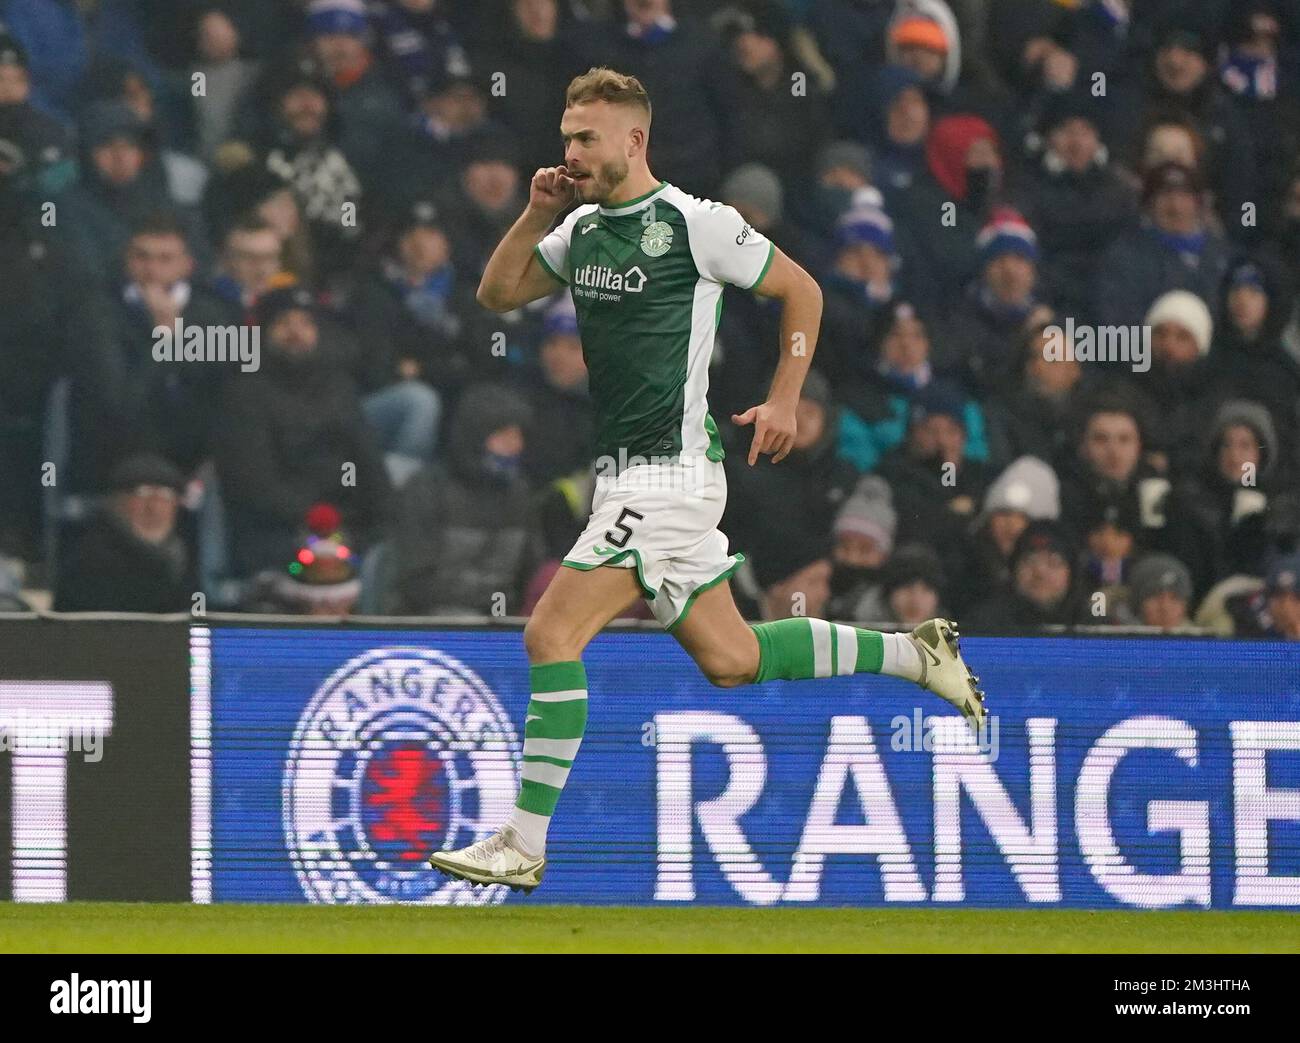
(514, 275)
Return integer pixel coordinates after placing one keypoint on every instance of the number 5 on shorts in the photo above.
(624, 530)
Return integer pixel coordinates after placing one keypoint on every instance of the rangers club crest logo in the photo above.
(400, 753)
(656, 239)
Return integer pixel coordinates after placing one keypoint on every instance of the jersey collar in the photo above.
(633, 205)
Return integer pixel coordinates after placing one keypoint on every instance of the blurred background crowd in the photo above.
(966, 179)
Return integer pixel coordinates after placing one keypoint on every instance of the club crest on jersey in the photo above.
(400, 753)
(656, 239)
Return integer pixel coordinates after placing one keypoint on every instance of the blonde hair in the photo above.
(602, 84)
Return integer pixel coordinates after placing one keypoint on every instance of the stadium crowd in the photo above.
(986, 190)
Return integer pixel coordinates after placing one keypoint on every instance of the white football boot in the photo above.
(944, 672)
(493, 860)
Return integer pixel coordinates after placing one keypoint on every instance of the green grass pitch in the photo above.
(111, 927)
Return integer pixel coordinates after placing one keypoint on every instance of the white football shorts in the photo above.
(661, 518)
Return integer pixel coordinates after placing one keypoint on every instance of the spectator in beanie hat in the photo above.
(1181, 381)
(1025, 492)
(998, 304)
(843, 181)
(863, 539)
(924, 38)
(466, 532)
(414, 301)
(861, 284)
(1249, 358)
(1075, 199)
(124, 181)
(369, 103)
(1042, 589)
(1160, 589)
(130, 557)
(306, 151)
(899, 126)
(320, 580)
(1217, 512)
(1109, 550)
(1172, 249)
(913, 585)
(937, 487)
(1274, 611)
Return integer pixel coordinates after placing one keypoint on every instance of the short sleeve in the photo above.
(553, 251)
(728, 250)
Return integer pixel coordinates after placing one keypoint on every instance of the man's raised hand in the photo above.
(551, 190)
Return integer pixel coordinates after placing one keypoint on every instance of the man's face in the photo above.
(1174, 345)
(756, 53)
(339, 52)
(1164, 609)
(491, 184)
(1284, 606)
(506, 441)
(1076, 142)
(1052, 376)
(1111, 445)
(908, 119)
(149, 511)
(460, 107)
(294, 333)
(926, 63)
(1043, 576)
(906, 345)
(424, 249)
(1169, 143)
(562, 360)
(1110, 543)
(1247, 307)
(1238, 448)
(138, 97)
(280, 211)
(914, 602)
(1179, 69)
(15, 85)
(118, 161)
(1010, 277)
(1176, 210)
(858, 550)
(252, 258)
(158, 260)
(1005, 528)
(599, 140)
(863, 263)
(939, 437)
(538, 19)
(304, 110)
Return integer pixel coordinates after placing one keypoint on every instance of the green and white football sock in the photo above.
(798, 648)
(553, 729)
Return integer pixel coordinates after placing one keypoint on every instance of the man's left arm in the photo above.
(801, 315)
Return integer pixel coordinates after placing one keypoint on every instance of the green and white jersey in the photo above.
(646, 279)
